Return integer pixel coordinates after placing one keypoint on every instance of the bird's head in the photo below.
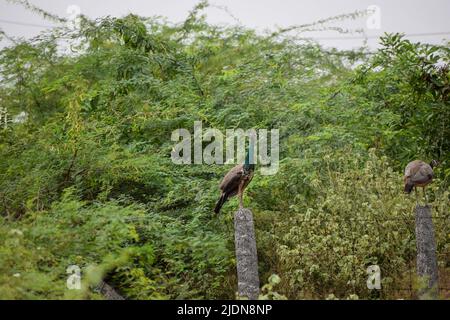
(434, 163)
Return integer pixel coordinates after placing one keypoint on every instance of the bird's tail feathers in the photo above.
(220, 203)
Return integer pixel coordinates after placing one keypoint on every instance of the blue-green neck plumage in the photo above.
(249, 164)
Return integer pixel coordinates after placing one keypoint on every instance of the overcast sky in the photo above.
(412, 17)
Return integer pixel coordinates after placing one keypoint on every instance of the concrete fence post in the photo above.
(246, 255)
(427, 268)
(108, 292)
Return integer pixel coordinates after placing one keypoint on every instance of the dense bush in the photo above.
(88, 179)
(359, 218)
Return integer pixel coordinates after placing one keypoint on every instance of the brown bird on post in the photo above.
(236, 180)
(419, 174)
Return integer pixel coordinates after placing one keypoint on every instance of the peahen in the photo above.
(236, 180)
(419, 174)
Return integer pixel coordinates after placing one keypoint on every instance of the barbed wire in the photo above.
(425, 34)
(26, 24)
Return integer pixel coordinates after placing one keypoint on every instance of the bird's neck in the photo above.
(249, 164)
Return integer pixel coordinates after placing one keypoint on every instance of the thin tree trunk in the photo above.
(246, 255)
(427, 268)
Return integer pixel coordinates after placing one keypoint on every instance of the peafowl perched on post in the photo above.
(419, 174)
(237, 179)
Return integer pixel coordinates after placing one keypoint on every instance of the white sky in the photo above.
(408, 16)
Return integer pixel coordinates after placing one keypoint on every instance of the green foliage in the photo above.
(402, 100)
(359, 218)
(267, 289)
(37, 250)
(87, 180)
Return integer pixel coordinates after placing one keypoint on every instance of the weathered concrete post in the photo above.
(108, 292)
(246, 255)
(427, 267)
